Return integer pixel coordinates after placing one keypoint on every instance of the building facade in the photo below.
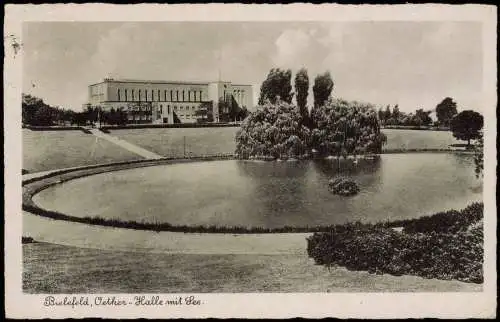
(147, 101)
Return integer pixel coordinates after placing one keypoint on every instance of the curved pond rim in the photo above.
(36, 184)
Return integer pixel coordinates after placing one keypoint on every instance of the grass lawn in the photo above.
(170, 142)
(50, 268)
(414, 139)
(48, 150)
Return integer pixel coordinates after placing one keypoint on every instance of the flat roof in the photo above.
(143, 81)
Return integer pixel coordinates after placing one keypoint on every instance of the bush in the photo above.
(343, 187)
(339, 128)
(346, 128)
(273, 131)
(453, 253)
(450, 221)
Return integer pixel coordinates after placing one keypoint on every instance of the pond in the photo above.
(272, 194)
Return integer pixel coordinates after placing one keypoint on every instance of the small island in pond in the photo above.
(278, 131)
(343, 187)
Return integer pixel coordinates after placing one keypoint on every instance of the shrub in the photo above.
(450, 221)
(344, 128)
(438, 253)
(274, 131)
(343, 187)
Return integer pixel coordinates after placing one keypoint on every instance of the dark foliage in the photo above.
(446, 110)
(450, 221)
(277, 85)
(439, 246)
(27, 240)
(343, 186)
(467, 125)
(322, 89)
(302, 88)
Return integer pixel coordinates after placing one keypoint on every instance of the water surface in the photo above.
(272, 194)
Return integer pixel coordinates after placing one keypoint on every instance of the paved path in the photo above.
(126, 145)
(108, 238)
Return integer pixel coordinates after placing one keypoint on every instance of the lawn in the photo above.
(415, 139)
(50, 268)
(48, 150)
(170, 142)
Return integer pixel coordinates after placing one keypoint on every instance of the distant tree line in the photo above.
(36, 112)
(396, 117)
(446, 110)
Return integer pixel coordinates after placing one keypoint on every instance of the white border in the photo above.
(313, 305)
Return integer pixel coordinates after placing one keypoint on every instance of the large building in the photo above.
(147, 101)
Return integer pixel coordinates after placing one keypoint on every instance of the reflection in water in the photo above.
(284, 169)
(347, 167)
(272, 194)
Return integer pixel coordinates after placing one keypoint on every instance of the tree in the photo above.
(322, 89)
(388, 114)
(30, 105)
(346, 128)
(466, 125)
(381, 115)
(225, 108)
(396, 114)
(43, 116)
(277, 84)
(205, 112)
(273, 131)
(302, 89)
(479, 155)
(446, 110)
(423, 117)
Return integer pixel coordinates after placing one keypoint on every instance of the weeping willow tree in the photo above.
(346, 128)
(273, 131)
(339, 128)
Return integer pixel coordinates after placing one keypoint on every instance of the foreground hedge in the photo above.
(431, 247)
(450, 221)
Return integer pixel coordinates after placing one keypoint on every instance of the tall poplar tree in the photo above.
(302, 89)
(322, 89)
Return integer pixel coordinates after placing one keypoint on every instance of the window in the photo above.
(182, 107)
(126, 97)
(168, 109)
(165, 95)
(132, 95)
(200, 96)
(171, 95)
(139, 95)
(177, 95)
(159, 96)
(183, 96)
(118, 95)
(152, 96)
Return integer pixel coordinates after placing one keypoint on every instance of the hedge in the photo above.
(445, 246)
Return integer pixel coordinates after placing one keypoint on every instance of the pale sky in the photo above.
(413, 64)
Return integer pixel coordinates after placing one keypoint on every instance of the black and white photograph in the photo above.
(168, 162)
